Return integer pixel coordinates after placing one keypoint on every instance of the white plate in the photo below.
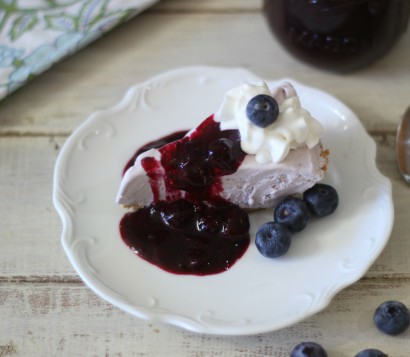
(257, 294)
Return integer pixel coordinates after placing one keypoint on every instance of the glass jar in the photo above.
(339, 35)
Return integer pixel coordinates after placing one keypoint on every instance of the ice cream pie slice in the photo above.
(259, 147)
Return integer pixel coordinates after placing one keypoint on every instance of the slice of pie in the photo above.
(258, 148)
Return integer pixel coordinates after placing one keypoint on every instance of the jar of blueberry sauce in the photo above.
(338, 35)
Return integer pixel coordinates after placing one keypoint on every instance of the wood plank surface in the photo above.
(98, 76)
(46, 310)
(91, 327)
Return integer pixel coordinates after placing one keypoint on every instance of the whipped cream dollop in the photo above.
(293, 128)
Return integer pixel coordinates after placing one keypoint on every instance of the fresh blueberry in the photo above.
(308, 349)
(392, 317)
(273, 239)
(262, 110)
(292, 212)
(321, 199)
(371, 352)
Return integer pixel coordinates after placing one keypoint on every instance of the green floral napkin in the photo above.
(35, 34)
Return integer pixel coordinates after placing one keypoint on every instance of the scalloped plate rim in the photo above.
(176, 320)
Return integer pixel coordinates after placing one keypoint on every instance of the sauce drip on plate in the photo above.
(200, 233)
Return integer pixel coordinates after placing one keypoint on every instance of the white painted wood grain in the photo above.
(98, 76)
(53, 319)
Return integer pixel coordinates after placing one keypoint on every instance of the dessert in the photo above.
(229, 157)
(188, 198)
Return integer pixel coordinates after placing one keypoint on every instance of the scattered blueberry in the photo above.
(392, 317)
(262, 110)
(371, 352)
(308, 349)
(273, 239)
(321, 199)
(292, 212)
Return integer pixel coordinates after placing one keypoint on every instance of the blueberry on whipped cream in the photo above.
(262, 110)
(292, 128)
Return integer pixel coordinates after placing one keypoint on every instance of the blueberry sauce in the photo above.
(186, 238)
(196, 163)
(155, 144)
(339, 35)
(200, 233)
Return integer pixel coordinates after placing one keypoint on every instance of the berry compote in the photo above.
(155, 145)
(194, 231)
(339, 35)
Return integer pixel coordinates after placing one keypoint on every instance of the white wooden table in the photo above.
(46, 310)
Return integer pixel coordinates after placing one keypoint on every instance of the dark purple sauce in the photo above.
(155, 144)
(340, 35)
(194, 240)
(201, 234)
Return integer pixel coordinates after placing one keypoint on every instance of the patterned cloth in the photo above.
(35, 34)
